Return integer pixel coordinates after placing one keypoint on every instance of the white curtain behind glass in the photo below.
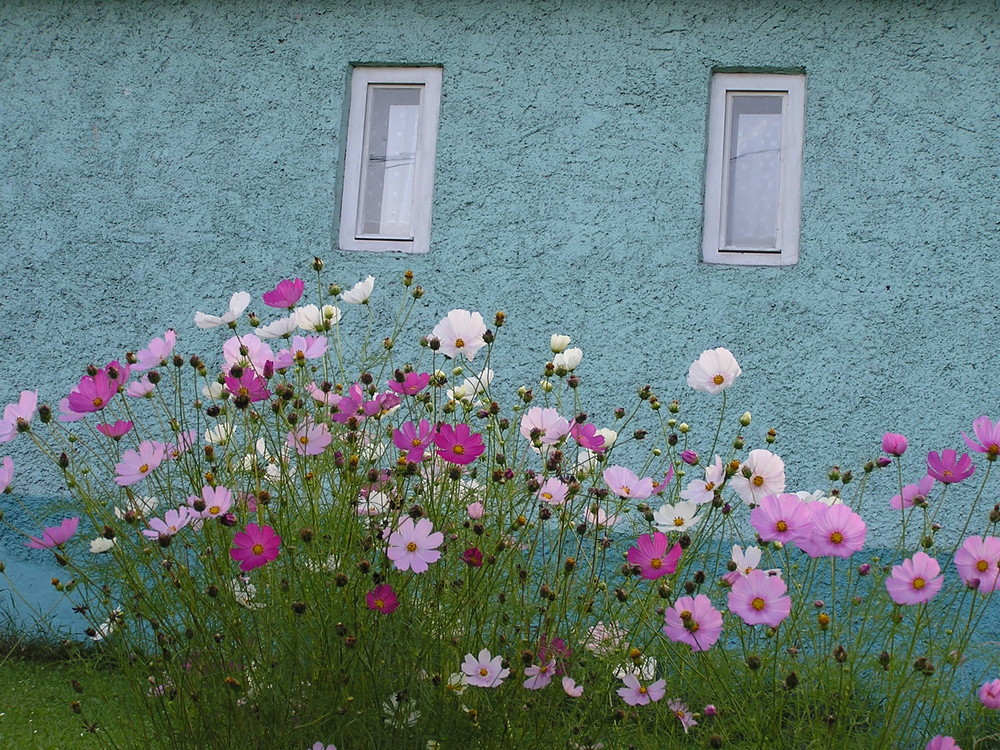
(753, 171)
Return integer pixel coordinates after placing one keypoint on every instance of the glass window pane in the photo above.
(388, 168)
(753, 171)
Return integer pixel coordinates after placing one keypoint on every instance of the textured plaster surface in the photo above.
(158, 156)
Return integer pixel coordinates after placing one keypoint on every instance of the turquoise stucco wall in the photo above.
(158, 156)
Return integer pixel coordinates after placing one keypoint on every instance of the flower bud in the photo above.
(683, 427)
(745, 419)
(558, 343)
(771, 436)
(689, 457)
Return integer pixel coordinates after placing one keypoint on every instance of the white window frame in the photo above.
(362, 81)
(724, 86)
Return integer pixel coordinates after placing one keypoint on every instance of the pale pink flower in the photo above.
(544, 425)
(413, 546)
(246, 351)
(484, 670)
(173, 521)
(156, 353)
(913, 494)
(135, 465)
(977, 561)
(460, 332)
(553, 491)
(539, 675)
(571, 688)
(600, 518)
(140, 388)
(17, 417)
(624, 483)
(303, 348)
(744, 561)
(475, 511)
(767, 476)
(309, 439)
(702, 491)
(693, 621)
(941, 742)
(685, 717)
(759, 599)
(782, 518)
(237, 304)
(6, 473)
(989, 694)
(837, 531)
(916, 581)
(212, 503)
(714, 371)
(636, 694)
(604, 639)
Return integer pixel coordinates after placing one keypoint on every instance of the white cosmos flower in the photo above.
(714, 371)
(214, 390)
(105, 629)
(314, 319)
(646, 670)
(101, 545)
(457, 683)
(746, 561)
(401, 713)
(282, 327)
(360, 292)
(568, 360)
(558, 343)
(220, 434)
(375, 504)
(767, 476)
(679, 517)
(703, 490)
(244, 593)
(460, 332)
(140, 506)
(237, 304)
(471, 386)
(819, 497)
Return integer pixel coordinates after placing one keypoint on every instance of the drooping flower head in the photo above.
(484, 670)
(913, 494)
(54, 536)
(413, 546)
(766, 476)
(636, 694)
(458, 444)
(948, 467)
(624, 483)
(587, 436)
(916, 581)
(285, 294)
(693, 621)
(978, 563)
(782, 518)
(255, 546)
(714, 371)
(237, 304)
(460, 332)
(759, 599)
(17, 417)
(652, 557)
(382, 599)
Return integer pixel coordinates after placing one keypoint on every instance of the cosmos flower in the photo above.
(17, 417)
(625, 483)
(916, 581)
(382, 599)
(156, 352)
(977, 561)
(54, 536)
(693, 621)
(759, 599)
(360, 293)
(652, 557)
(484, 670)
(285, 294)
(237, 304)
(767, 476)
(636, 694)
(135, 465)
(677, 517)
(413, 546)
(255, 546)
(460, 332)
(714, 371)
(948, 467)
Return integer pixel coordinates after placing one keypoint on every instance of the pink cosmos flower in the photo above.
(636, 694)
(837, 531)
(948, 467)
(586, 436)
(255, 546)
(988, 435)
(475, 511)
(309, 439)
(571, 688)
(141, 388)
(17, 417)
(303, 348)
(989, 694)
(93, 393)
(116, 430)
(414, 439)
(135, 465)
(604, 640)
(782, 518)
(913, 494)
(941, 742)
(916, 581)
(285, 294)
(539, 675)
(693, 621)
(484, 670)
(460, 332)
(702, 491)
(54, 536)
(685, 717)
(458, 444)
(382, 599)
(544, 425)
(173, 521)
(759, 599)
(714, 371)
(413, 546)
(659, 487)
(6, 473)
(894, 444)
(553, 491)
(624, 483)
(690, 457)
(212, 503)
(237, 304)
(767, 476)
(978, 563)
(411, 384)
(247, 351)
(249, 384)
(185, 441)
(652, 557)
(156, 353)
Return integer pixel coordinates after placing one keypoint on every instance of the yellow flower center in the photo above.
(758, 603)
(98, 402)
(144, 468)
(655, 563)
(547, 495)
(411, 547)
(982, 566)
(257, 549)
(758, 481)
(626, 490)
(718, 380)
(709, 486)
(781, 526)
(678, 521)
(919, 583)
(415, 442)
(304, 440)
(379, 603)
(836, 537)
(483, 671)
(458, 450)
(642, 690)
(214, 510)
(459, 343)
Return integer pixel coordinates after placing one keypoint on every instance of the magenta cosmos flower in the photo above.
(837, 531)
(586, 436)
(458, 444)
(636, 694)
(989, 694)
(714, 371)
(410, 383)
(941, 742)
(949, 467)
(115, 430)
(988, 435)
(624, 483)
(484, 670)
(310, 439)
(978, 563)
(156, 353)
(6, 473)
(285, 294)
(414, 439)
(693, 621)
(255, 546)
(652, 557)
(916, 581)
(894, 444)
(766, 476)
(382, 599)
(782, 518)
(545, 426)
(17, 417)
(248, 384)
(135, 465)
(413, 546)
(913, 494)
(759, 599)
(54, 536)
(460, 332)
(93, 392)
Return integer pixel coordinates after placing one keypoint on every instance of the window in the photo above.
(389, 165)
(753, 170)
